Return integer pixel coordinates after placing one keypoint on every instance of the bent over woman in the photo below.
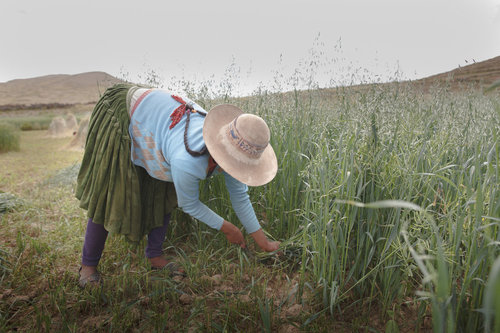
(145, 154)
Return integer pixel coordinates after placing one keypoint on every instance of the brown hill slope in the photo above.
(86, 88)
(480, 74)
(61, 89)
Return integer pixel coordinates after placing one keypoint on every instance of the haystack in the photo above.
(57, 127)
(71, 122)
(78, 142)
(63, 127)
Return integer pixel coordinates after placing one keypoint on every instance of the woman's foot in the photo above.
(163, 264)
(158, 262)
(89, 275)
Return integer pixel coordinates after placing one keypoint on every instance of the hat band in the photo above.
(251, 149)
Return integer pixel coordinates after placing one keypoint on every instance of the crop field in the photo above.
(386, 201)
(32, 120)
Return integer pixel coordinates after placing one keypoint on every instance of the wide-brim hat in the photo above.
(239, 143)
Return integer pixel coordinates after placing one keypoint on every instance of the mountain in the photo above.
(84, 88)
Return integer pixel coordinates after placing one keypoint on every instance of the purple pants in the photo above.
(96, 235)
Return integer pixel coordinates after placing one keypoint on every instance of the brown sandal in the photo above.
(172, 268)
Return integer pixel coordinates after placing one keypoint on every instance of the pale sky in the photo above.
(196, 39)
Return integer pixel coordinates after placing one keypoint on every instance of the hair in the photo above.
(191, 152)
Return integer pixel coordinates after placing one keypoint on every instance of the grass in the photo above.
(43, 242)
(386, 200)
(9, 138)
(436, 154)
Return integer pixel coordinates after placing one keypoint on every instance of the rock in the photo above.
(217, 279)
(225, 288)
(19, 299)
(206, 279)
(245, 298)
(94, 322)
(135, 314)
(294, 310)
(186, 299)
(288, 328)
(178, 278)
(6, 293)
(193, 329)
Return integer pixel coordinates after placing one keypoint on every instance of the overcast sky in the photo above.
(195, 39)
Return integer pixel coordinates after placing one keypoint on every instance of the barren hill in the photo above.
(480, 74)
(85, 88)
(55, 89)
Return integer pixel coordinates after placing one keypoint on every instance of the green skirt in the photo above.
(115, 192)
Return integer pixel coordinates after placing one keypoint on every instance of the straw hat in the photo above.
(239, 143)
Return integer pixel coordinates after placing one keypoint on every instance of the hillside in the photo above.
(59, 89)
(85, 88)
(480, 74)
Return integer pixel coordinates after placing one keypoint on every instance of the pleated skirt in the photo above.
(121, 196)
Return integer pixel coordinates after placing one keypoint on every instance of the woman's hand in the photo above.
(233, 234)
(270, 246)
(264, 243)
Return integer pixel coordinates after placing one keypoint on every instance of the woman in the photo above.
(146, 152)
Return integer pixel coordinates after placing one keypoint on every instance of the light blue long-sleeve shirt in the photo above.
(160, 150)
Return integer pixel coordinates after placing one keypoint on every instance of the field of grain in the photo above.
(387, 203)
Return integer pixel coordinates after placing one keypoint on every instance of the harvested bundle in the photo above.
(57, 127)
(71, 122)
(63, 127)
(80, 137)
